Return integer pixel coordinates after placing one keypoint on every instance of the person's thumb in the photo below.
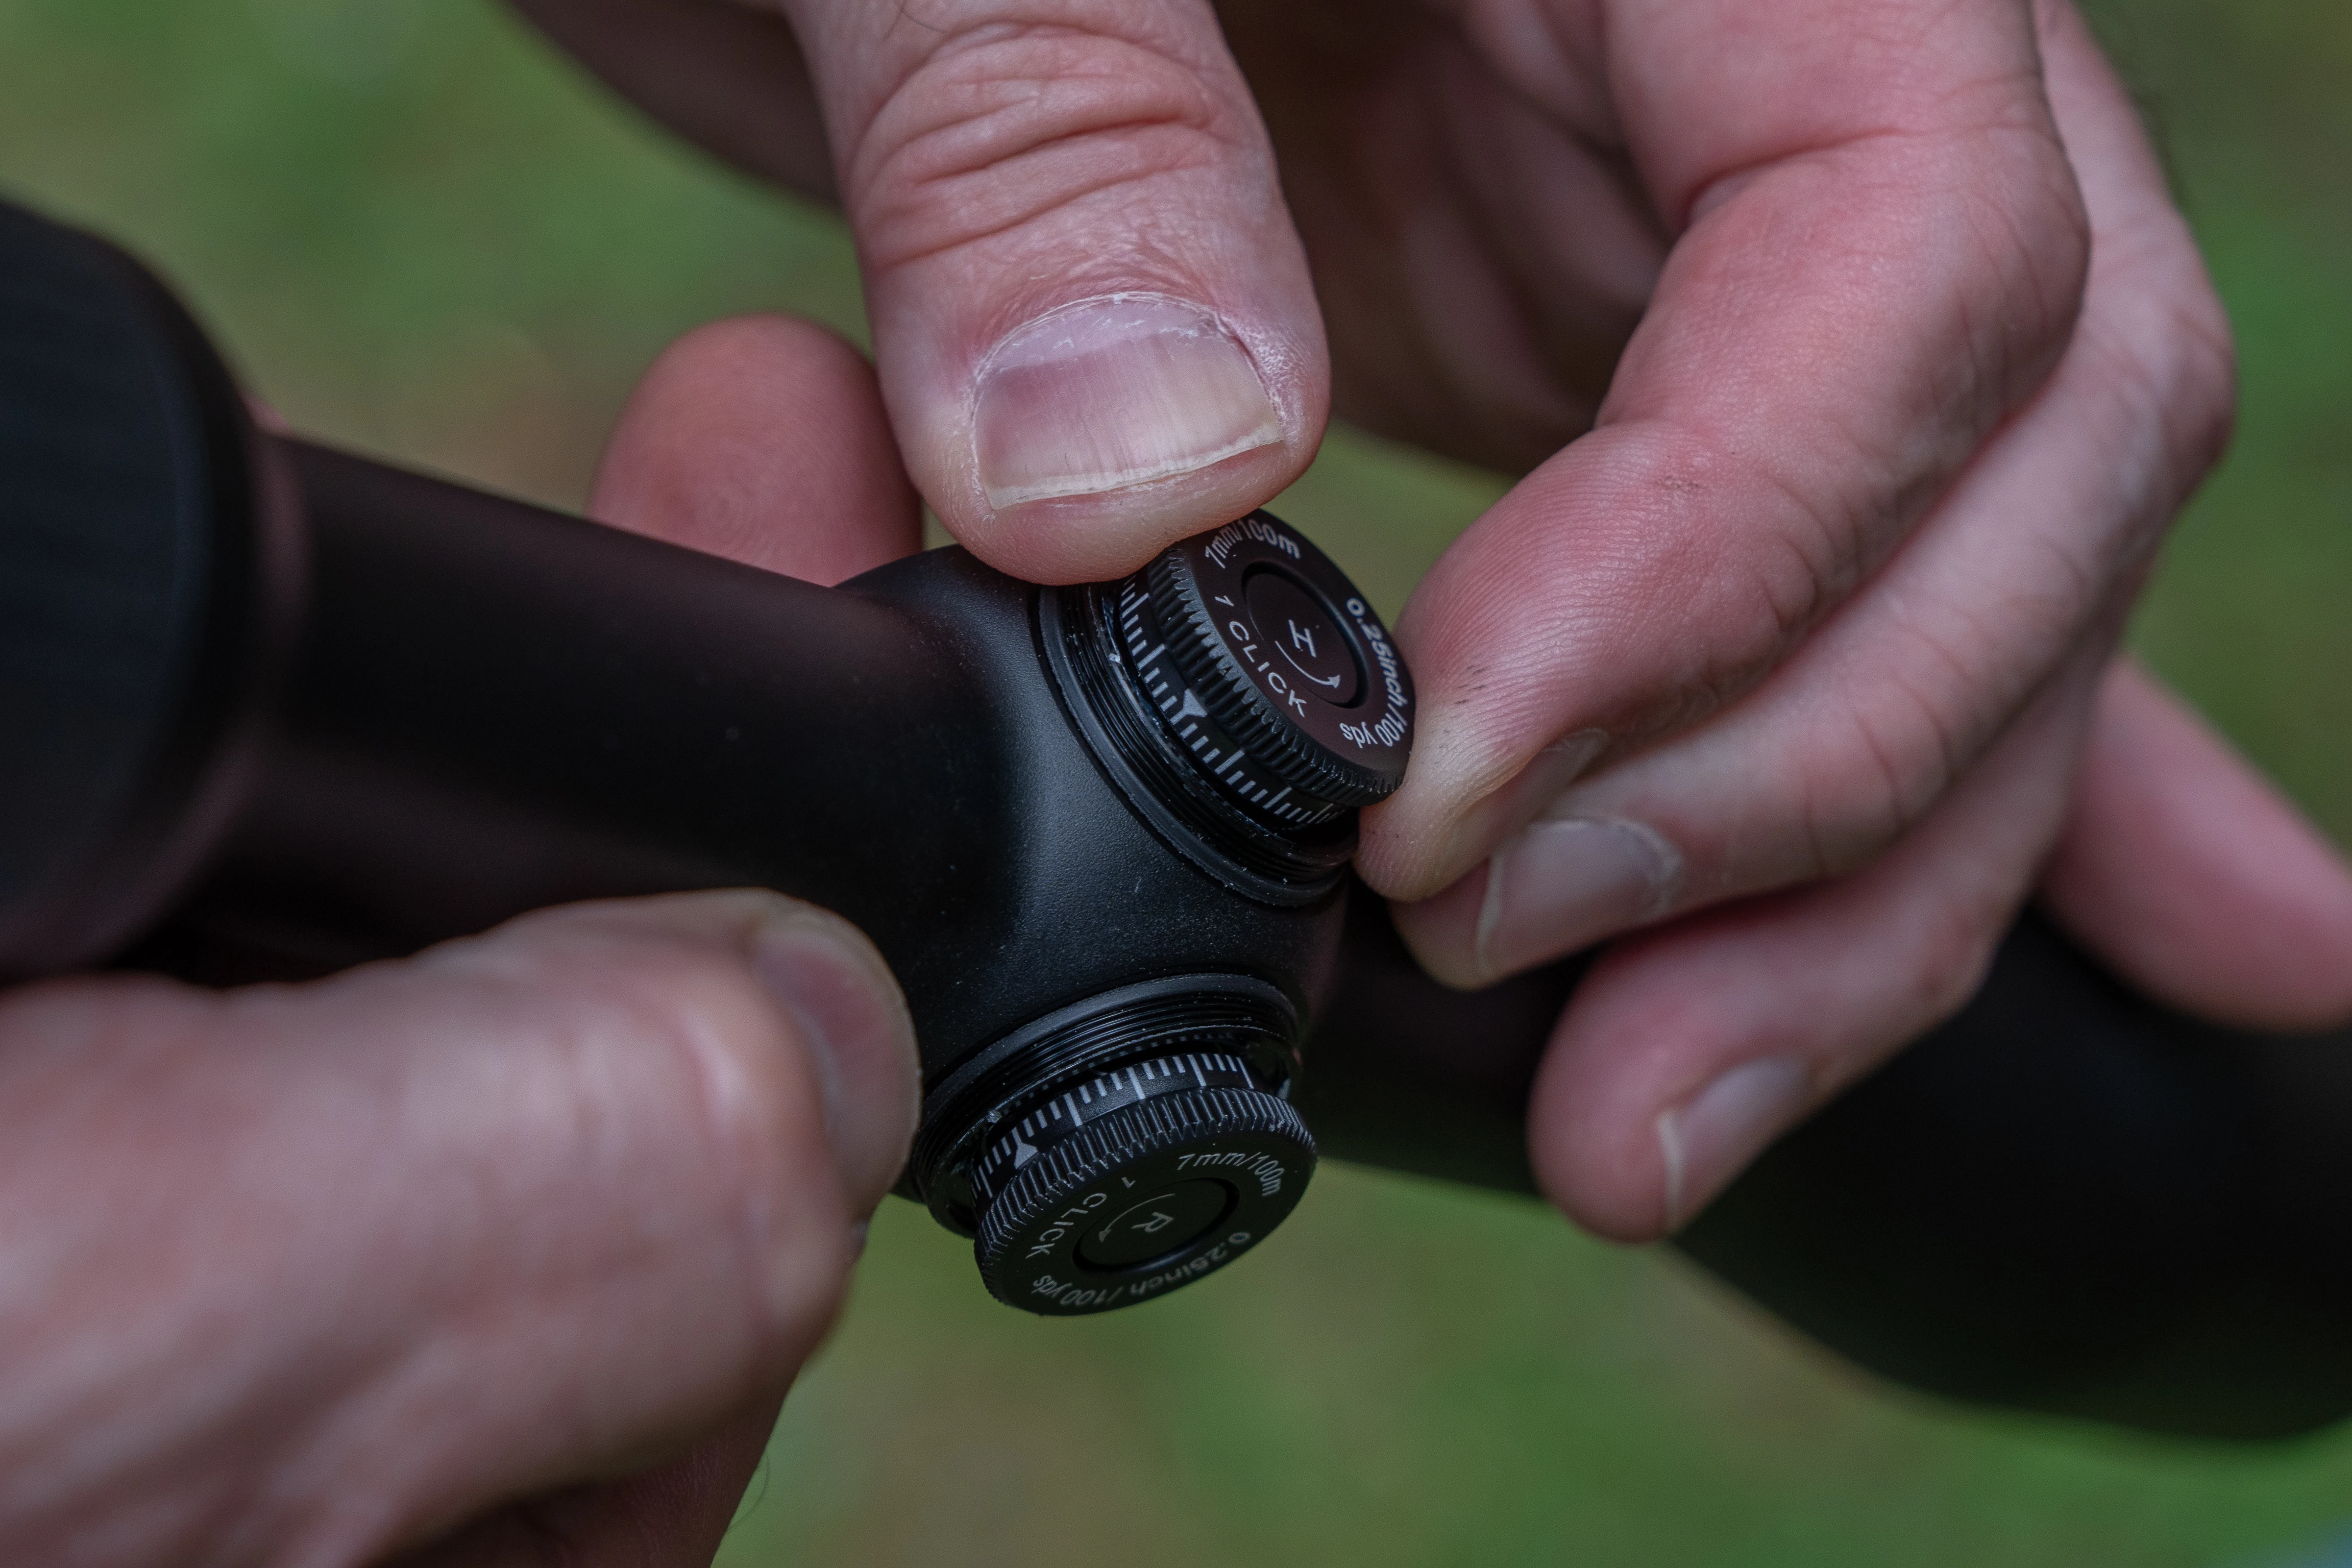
(319, 1271)
(1092, 317)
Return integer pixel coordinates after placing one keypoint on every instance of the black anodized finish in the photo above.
(495, 708)
(144, 558)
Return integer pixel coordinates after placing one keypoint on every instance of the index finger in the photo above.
(1880, 251)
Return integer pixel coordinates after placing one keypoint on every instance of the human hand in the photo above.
(1854, 353)
(500, 1255)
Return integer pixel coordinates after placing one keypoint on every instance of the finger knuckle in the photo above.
(676, 1068)
(1952, 953)
(1001, 125)
(2167, 351)
(2027, 216)
(1987, 221)
(78, 1016)
(1901, 750)
(1659, 549)
(754, 1124)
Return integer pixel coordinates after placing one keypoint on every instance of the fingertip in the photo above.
(1098, 538)
(1087, 458)
(1686, 1054)
(1463, 798)
(1113, 395)
(1106, 429)
(1095, 322)
(1687, 1050)
(1597, 1103)
(2185, 869)
(763, 439)
(836, 1002)
(853, 1018)
(1443, 932)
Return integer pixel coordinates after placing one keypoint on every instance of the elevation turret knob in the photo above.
(1257, 649)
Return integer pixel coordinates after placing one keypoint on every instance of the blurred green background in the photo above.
(424, 235)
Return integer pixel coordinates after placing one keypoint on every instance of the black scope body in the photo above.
(272, 710)
(1099, 833)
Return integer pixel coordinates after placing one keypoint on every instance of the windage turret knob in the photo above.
(1136, 1182)
(1271, 671)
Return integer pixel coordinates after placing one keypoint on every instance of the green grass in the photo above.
(424, 236)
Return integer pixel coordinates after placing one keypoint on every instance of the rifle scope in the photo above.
(271, 709)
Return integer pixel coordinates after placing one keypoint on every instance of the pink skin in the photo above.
(1852, 351)
(2190, 873)
(503, 1255)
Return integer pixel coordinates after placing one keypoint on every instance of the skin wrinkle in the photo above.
(1040, 115)
(2192, 428)
(416, 1376)
(907, 15)
(745, 1129)
(745, 1126)
(158, 1435)
(2065, 610)
(1680, 198)
(1966, 391)
(1910, 781)
(1095, 144)
(635, 1258)
(743, 1134)
(1791, 600)
(1988, 721)
(1904, 798)
(397, 1505)
(1487, 215)
(1894, 791)
(1942, 930)
(1797, 615)
(442, 1367)
(2028, 124)
(1949, 446)
(684, 1035)
(219, 1101)
(1043, 51)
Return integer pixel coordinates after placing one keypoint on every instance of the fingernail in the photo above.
(1564, 883)
(853, 1023)
(1710, 1137)
(1115, 391)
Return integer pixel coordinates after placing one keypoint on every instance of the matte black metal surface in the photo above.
(1268, 636)
(135, 572)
